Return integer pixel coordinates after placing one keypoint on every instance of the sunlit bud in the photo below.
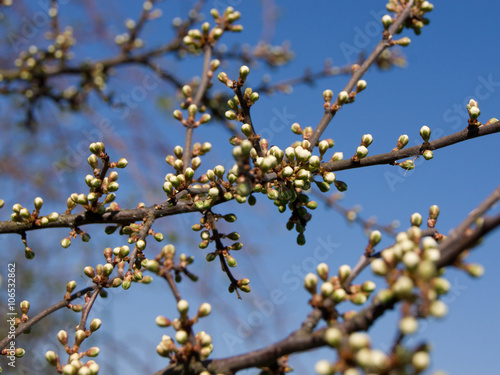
(407, 164)
(24, 213)
(89, 271)
(426, 6)
(344, 272)
(339, 295)
(337, 156)
(95, 325)
(38, 203)
(366, 140)
(358, 298)
(17, 208)
(2, 202)
(230, 115)
(474, 269)
(52, 358)
(387, 21)
(329, 177)
(324, 367)
(404, 42)
(314, 162)
(359, 340)
(187, 91)
(441, 285)
(368, 286)
(332, 336)
(192, 109)
(310, 282)
(138, 275)
(53, 217)
(296, 128)
(360, 85)
(327, 95)
(474, 113)
(420, 361)
(343, 96)
(416, 219)
(244, 72)
(141, 244)
(204, 309)
(379, 267)
(403, 286)
(375, 237)
(425, 133)
(223, 77)
(408, 325)
(428, 154)
(402, 141)
(70, 286)
(65, 242)
(361, 152)
(182, 306)
(121, 163)
(177, 114)
(161, 321)
(181, 337)
(411, 260)
(327, 289)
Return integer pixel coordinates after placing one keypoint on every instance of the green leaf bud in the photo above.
(340, 185)
(231, 262)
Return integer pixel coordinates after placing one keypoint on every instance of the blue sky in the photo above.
(453, 60)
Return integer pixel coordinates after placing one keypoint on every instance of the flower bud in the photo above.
(361, 152)
(324, 367)
(92, 352)
(65, 242)
(327, 95)
(332, 336)
(425, 133)
(204, 309)
(474, 113)
(161, 321)
(52, 357)
(403, 286)
(366, 140)
(244, 72)
(182, 306)
(387, 21)
(177, 114)
(339, 295)
(38, 203)
(310, 282)
(404, 42)
(338, 156)
(474, 269)
(181, 337)
(296, 128)
(95, 324)
(343, 96)
(408, 325)
(420, 361)
(402, 141)
(360, 85)
(428, 154)
(359, 340)
(407, 164)
(375, 237)
(416, 219)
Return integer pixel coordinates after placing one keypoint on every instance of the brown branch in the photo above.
(391, 157)
(87, 307)
(381, 46)
(205, 80)
(23, 327)
(248, 120)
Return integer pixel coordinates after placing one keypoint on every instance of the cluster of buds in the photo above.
(200, 344)
(98, 183)
(474, 112)
(75, 365)
(355, 351)
(249, 96)
(416, 21)
(425, 133)
(184, 174)
(333, 291)
(410, 271)
(343, 97)
(362, 150)
(21, 214)
(196, 39)
(165, 260)
(129, 40)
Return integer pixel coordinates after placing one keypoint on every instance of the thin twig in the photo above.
(381, 46)
(87, 307)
